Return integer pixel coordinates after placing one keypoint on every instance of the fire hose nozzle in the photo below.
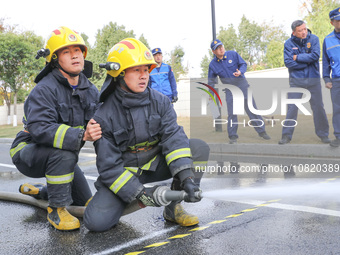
(163, 195)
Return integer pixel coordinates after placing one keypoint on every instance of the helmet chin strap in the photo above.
(70, 74)
(123, 84)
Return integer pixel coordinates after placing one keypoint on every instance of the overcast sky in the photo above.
(165, 24)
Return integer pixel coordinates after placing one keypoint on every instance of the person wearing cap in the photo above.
(141, 143)
(162, 77)
(331, 70)
(230, 68)
(301, 57)
(57, 122)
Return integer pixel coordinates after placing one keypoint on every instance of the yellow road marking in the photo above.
(179, 236)
(156, 244)
(199, 228)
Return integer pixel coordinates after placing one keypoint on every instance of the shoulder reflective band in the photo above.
(59, 179)
(176, 154)
(17, 148)
(121, 181)
(59, 136)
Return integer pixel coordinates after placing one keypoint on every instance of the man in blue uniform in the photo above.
(141, 143)
(331, 64)
(57, 122)
(162, 77)
(301, 57)
(230, 68)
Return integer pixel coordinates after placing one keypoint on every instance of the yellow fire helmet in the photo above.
(60, 38)
(128, 53)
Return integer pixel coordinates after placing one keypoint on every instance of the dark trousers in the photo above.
(37, 161)
(335, 95)
(257, 120)
(319, 114)
(105, 208)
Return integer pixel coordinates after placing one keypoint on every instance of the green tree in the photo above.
(18, 67)
(176, 59)
(274, 54)
(273, 38)
(108, 36)
(251, 47)
(317, 17)
(229, 38)
(205, 64)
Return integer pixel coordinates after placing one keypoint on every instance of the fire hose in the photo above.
(163, 196)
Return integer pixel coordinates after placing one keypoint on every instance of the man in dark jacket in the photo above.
(141, 143)
(301, 57)
(230, 67)
(57, 122)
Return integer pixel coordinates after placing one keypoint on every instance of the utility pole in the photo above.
(213, 19)
(218, 127)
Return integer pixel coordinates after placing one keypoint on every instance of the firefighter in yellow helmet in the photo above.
(141, 143)
(57, 122)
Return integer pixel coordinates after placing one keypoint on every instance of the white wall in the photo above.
(3, 114)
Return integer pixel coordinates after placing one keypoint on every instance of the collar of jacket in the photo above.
(82, 84)
(223, 58)
(337, 34)
(131, 100)
(301, 41)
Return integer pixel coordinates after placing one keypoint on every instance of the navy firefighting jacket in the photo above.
(56, 114)
(131, 122)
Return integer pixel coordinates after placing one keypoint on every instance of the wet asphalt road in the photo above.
(274, 224)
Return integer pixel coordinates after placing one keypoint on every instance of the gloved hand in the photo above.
(174, 99)
(190, 187)
(146, 197)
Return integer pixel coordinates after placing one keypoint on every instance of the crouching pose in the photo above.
(57, 123)
(141, 143)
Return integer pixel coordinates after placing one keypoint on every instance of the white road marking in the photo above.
(93, 178)
(299, 208)
(136, 241)
(8, 165)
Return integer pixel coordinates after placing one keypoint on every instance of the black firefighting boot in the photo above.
(175, 212)
(61, 219)
(33, 190)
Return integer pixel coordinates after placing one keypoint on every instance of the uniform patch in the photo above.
(309, 45)
(230, 61)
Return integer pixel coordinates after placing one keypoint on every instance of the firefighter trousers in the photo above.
(105, 209)
(66, 183)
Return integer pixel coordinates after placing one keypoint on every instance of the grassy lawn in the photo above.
(8, 131)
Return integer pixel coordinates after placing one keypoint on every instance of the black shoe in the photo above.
(285, 139)
(325, 139)
(264, 135)
(233, 139)
(335, 143)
